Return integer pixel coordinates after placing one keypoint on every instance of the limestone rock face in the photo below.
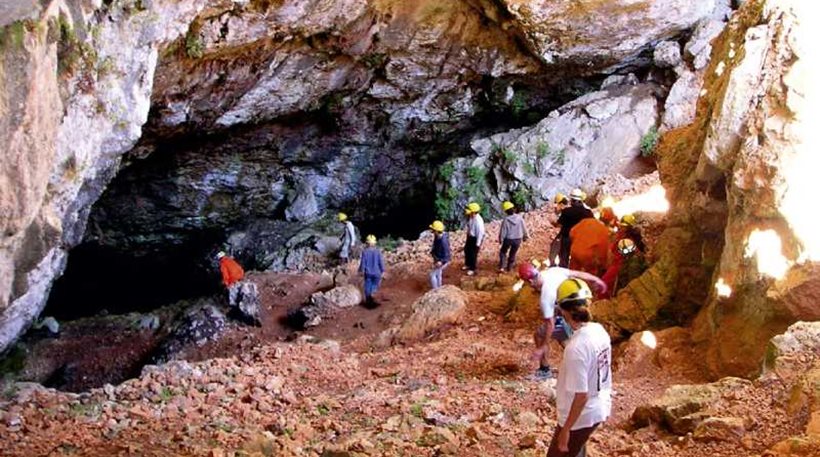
(569, 31)
(80, 99)
(594, 136)
(734, 176)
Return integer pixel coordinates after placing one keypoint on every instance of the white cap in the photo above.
(220, 254)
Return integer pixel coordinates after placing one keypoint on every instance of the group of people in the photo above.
(603, 246)
(605, 252)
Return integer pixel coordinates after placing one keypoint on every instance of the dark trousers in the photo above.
(566, 244)
(471, 253)
(577, 442)
(511, 246)
(371, 285)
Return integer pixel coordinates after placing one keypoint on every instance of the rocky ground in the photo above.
(463, 389)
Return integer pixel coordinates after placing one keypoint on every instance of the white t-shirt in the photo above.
(551, 278)
(586, 367)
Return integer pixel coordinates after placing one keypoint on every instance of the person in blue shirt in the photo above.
(372, 267)
(440, 252)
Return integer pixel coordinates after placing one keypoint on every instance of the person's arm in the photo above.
(445, 243)
(596, 282)
(381, 264)
(524, 226)
(361, 261)
(479, 230)
(502, 232)
(578, 403)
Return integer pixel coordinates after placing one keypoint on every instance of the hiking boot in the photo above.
(543, 374)
(470, 273)
(464, 268)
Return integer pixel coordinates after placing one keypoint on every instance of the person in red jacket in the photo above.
(232, 274)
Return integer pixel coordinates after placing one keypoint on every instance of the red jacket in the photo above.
(231, 271)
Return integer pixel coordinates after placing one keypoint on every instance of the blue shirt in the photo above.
(371, 263)
(441, 248)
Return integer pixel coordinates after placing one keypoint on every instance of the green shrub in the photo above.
(518, 102)
(529, 168)
(389, 244)
(649, 142)
(521, 197)
(444, 204)
(13, 35)
(476, 177)
(542, 150)
(194, 47)
(446, 171)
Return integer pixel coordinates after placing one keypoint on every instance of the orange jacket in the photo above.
(590, 246)
(231, 271)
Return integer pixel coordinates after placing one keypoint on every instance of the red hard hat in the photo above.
(527, 271)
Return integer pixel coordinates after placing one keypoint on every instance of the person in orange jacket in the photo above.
(232, 275)
(590, 246)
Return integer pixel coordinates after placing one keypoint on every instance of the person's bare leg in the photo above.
(542, 342)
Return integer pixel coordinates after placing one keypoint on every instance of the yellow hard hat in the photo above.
(573, 289)
(437, 226)
(370, 239)
(577, 194)
(472, 208)
(506, 206)
(628, 219)
(626, 246)
(342, 217)
(559, 197)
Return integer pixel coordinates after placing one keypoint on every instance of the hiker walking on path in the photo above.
(440, 252)
(371, 266)
(475, 235)
(561, 201)
(348, 238)
(583, 394)
(513, 232)
(570, 216)
(232, 275)
(552, 326)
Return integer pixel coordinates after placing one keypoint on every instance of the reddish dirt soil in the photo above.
(464, 390)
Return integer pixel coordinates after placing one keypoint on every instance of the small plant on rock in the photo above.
(649, 142)
(194, 47)
(542, 150)
(529, 168)
(521, 197)
(446, 171)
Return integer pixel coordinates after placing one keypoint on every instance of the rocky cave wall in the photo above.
(344, 83)
(734, 176)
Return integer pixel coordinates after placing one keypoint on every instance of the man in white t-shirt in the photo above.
(583, 394)
(547, 282)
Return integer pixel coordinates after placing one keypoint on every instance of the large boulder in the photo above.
(683, 407)
(198, 325)
(323, 305)
(436, 308)
(247, 307)
(800, 342)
